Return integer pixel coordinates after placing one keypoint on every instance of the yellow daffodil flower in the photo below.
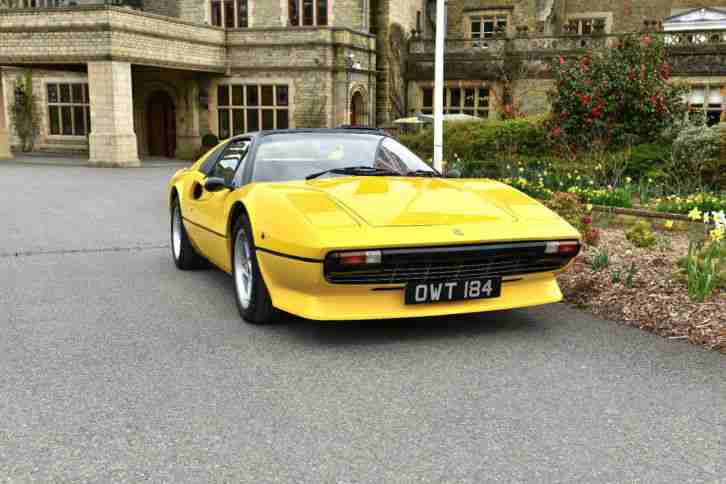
(668, 224)
(717, 235)
(695, 214)
(589, 207)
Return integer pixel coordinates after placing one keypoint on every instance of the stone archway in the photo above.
(358, 109)
(161, 124)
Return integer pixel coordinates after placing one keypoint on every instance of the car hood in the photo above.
(415, 201)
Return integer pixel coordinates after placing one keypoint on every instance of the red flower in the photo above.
(562, 61)
(556, 132)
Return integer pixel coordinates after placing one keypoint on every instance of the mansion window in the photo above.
(488, 26)
(230, 13)
(707, 100)
(243, 108)
(459, 100)
(69, 112)
(585, 26)
(308, 12)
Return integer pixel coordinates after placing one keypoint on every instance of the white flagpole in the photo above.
(439, 85)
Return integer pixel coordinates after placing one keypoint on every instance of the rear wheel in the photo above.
(253, 298)
(184, 255)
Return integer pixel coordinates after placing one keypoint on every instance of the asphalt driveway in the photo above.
(116, 367)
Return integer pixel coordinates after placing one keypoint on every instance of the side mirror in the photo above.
(453, 174)
(215, 184)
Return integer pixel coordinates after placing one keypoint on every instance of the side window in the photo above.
(230, 161)
(212, 160)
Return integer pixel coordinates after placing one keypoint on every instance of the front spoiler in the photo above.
(299, 287)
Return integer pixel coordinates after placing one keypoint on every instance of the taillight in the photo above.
(358, 258)
(568, 248)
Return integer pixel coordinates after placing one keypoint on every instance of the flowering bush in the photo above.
(607, 96)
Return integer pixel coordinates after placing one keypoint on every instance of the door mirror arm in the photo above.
(215, 184)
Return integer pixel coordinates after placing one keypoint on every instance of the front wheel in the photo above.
(184, 255)
(253, 298)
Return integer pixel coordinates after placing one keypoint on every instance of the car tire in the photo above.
(184, 255)
(253, 298)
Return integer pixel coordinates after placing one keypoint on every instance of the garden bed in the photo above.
(657, 300)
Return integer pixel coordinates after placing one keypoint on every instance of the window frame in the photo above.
(218, 14)
(477, 109)
(223, 155)
(580, 18)
(72, 104)
(706, 108)
(245, 107)
(494, 18)
(299, 20)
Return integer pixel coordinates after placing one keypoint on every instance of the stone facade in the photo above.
(131, 59)
(514, 63)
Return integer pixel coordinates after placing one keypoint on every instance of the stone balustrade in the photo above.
(552, 45)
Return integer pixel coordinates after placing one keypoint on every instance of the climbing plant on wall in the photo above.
(23, 113)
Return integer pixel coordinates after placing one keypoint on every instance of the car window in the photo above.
(212, 159)
(284, 157)
(231, 160)
(393, 156)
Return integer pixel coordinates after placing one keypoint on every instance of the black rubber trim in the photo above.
(288, 256)
(204, 228)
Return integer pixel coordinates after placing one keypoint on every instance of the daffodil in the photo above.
(706, 218)
(695, 214)
(668, 224)
(589, 207)
(717, 235)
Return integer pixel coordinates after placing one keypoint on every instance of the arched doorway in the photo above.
(161, 125)
(358, 114)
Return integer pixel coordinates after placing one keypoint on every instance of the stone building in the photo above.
(126, 79)
(498, 51)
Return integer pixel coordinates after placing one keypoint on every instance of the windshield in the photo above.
(284, 157)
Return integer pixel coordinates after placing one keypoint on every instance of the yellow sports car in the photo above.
(346, 224)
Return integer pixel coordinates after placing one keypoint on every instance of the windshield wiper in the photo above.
(428, 173)
(355, 170)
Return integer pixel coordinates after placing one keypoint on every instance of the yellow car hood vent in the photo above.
(397, 201)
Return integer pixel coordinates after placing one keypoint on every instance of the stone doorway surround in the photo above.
(161, 124)
(4, 136)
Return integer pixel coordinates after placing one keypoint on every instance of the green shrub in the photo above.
(642, 235)
(648, 160)
(482, 140)
(569, 207)
(209, 140)
(695, 161)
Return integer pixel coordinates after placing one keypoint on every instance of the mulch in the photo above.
(658, 299)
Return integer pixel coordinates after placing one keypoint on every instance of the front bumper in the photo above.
(300, 288)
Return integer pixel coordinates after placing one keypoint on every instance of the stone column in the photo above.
(4, 135)
(112, 141)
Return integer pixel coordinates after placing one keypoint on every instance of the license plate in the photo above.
(453, 290)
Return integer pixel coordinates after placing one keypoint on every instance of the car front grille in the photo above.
(399, 266)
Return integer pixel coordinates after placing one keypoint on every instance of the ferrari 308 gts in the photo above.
(348, 224)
